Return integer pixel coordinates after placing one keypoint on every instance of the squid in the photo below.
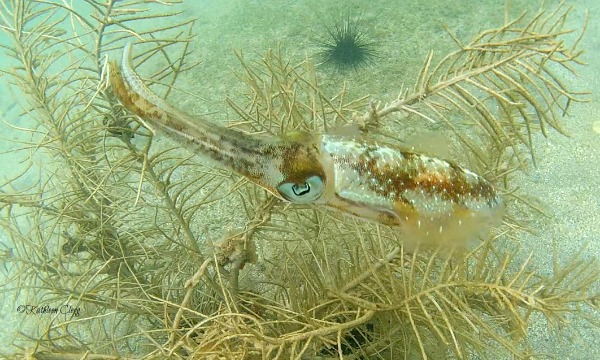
(351, 174)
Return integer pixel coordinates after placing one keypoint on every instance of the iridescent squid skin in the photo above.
(353, 175)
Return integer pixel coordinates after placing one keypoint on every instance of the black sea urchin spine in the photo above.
(347, 45)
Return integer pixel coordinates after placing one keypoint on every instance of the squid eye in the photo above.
(302, 193)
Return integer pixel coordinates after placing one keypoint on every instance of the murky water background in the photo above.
(566, 178)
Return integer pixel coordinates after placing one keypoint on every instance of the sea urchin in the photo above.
(347, 46)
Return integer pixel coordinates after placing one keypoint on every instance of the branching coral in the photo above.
(112, 224)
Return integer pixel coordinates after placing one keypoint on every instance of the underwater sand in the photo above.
(567, 176)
